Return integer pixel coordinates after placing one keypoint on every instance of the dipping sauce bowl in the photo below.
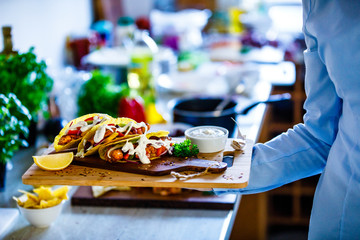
(208, 138)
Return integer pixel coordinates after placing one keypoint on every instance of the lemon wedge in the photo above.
(54, 162)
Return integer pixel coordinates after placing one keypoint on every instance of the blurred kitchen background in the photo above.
(195, 48)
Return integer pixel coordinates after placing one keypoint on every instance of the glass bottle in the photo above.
(7, 40)
(142, 68)
(124, 32)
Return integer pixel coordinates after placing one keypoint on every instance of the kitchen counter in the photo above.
(82, 222)
(79, 222)
(127, 223)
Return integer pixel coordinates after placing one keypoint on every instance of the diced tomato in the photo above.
(89, 119)
(120, 134)
(111, 124)
(126, 156)
(160, 151)
(74, 132)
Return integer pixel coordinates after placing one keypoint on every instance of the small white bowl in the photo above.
(43, 217)
(209, 139)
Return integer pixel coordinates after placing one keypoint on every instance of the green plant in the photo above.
(100, 94)
(24, 76)
(14, 120)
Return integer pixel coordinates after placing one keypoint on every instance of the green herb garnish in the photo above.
(185, 149)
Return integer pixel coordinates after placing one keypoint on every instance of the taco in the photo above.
(115, 129)
(143, 148)
(75, 130)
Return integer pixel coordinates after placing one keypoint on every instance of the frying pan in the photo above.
(201, 110)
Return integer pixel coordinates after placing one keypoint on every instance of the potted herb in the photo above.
(25, 76)
(14, 121)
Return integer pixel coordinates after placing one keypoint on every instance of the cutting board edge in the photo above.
(181, 184)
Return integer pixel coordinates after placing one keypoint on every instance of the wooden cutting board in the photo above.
(157, 167)
(144, 197)
(235, 176)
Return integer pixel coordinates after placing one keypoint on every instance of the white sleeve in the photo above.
(302, 151)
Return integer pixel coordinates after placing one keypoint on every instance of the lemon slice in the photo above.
(54, 162)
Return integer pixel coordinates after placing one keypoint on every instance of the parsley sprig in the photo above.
(185, 149)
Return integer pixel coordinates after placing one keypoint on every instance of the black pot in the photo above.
(201, 111)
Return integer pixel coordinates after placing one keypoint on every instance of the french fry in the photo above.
(30, 195)
(44, 193)
(44, 197)
(61, 192)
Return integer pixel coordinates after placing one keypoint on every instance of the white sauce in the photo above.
(80, 153)
(140, 150)
(100, 133)
(84, 126)
(206, 132)
(129, 128)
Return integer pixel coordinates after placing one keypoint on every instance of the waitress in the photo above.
(329, 140)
